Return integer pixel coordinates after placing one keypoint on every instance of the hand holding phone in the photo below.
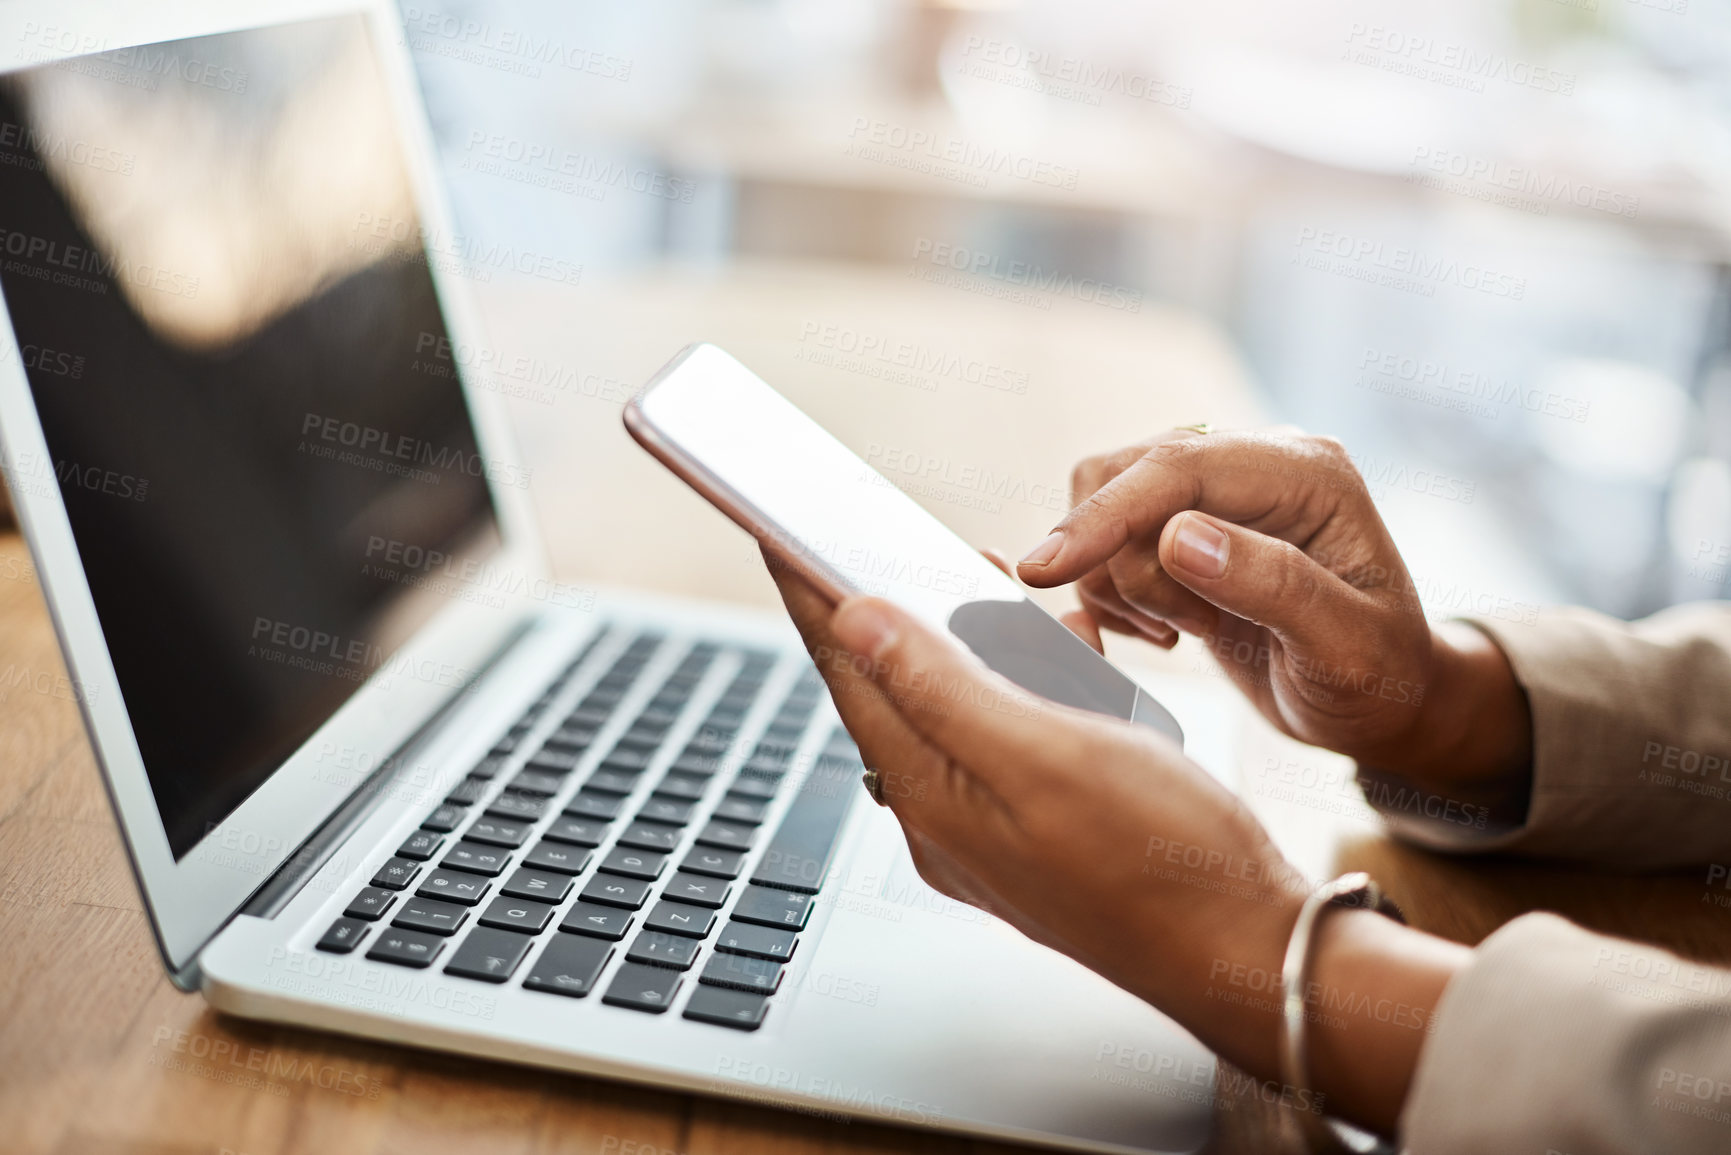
(828, 514)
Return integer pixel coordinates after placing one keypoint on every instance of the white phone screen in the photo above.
(716, 418)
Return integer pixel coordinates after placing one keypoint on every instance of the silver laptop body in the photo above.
(377, 773)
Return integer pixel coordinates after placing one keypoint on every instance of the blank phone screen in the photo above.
(838, 511)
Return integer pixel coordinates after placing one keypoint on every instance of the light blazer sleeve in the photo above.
(1554, 1039)
(1631, 745)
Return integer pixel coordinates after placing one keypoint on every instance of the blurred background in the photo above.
(1484, 243)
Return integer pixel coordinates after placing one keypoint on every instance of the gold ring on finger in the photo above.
(1200, 428)
(874, 785)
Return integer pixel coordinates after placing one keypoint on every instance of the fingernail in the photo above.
(864, 627)
(1200, 547)
(1046, 550)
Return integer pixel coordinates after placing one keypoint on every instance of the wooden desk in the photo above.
(90, 1030)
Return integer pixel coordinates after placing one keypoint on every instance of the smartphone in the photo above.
(826, 513)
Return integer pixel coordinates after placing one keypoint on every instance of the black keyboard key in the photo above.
(768, 906)
(344, 936)
(713, 862)
(711, 739)
(741, 809)
(454, 886)
(799, 855)
(727, 1008)
(558, 856)
(643, 988)
(726, 836)
(771, 756)
(430, 915)
(633, 863)
(554, 759)
(612, 890)
(537, 783)
(603, 806)
(697, 890)
(598, 921)
(370, 903)
(541, 885)
(592, 717)
(653, 948)
(518, 806)
(612, 781)
(686, 786)
(519, 914)
(578, 831)
(755, 786)
(420, 846)
(645, 738)
(396, 874)
(489, 955)
(476, 859)
(408, 948)
(627, 759)
(498, 832)
(672, 810)
(444, 820)
(488, 768)
(569, 966)
(564, 748)
(741, 973)
(651, 836)
(757, 941)
(681, 919)
(467, 793)
(701, 763)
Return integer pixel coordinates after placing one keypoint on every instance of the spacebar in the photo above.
(799, 855)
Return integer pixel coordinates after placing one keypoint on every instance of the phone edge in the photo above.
(717, 492)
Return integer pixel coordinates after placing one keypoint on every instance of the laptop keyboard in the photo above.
(631, 904)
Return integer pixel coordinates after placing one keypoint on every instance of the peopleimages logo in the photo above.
(1464, 173)
(398, 453)
(80, 267)
(1398, 267)
(30, 146)
(952, 157)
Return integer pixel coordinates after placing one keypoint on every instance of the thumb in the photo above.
(1264, 580)
(976, 717)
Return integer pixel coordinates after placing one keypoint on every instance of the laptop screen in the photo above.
(214, 269)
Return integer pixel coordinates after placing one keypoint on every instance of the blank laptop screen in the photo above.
(217, 280)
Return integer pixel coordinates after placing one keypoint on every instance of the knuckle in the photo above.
(1331, 450)
(1293, 578)
(1179, 452)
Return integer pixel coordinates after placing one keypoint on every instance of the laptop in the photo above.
(377, 772)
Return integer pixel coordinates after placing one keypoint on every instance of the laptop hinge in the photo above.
(298, 869)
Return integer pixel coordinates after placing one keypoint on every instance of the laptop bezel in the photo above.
(189, 901)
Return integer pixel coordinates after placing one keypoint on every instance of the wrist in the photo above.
(1371, 999)
(1475, 729)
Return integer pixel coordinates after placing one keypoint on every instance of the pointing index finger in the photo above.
(1160, 483)
(1241, 477)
